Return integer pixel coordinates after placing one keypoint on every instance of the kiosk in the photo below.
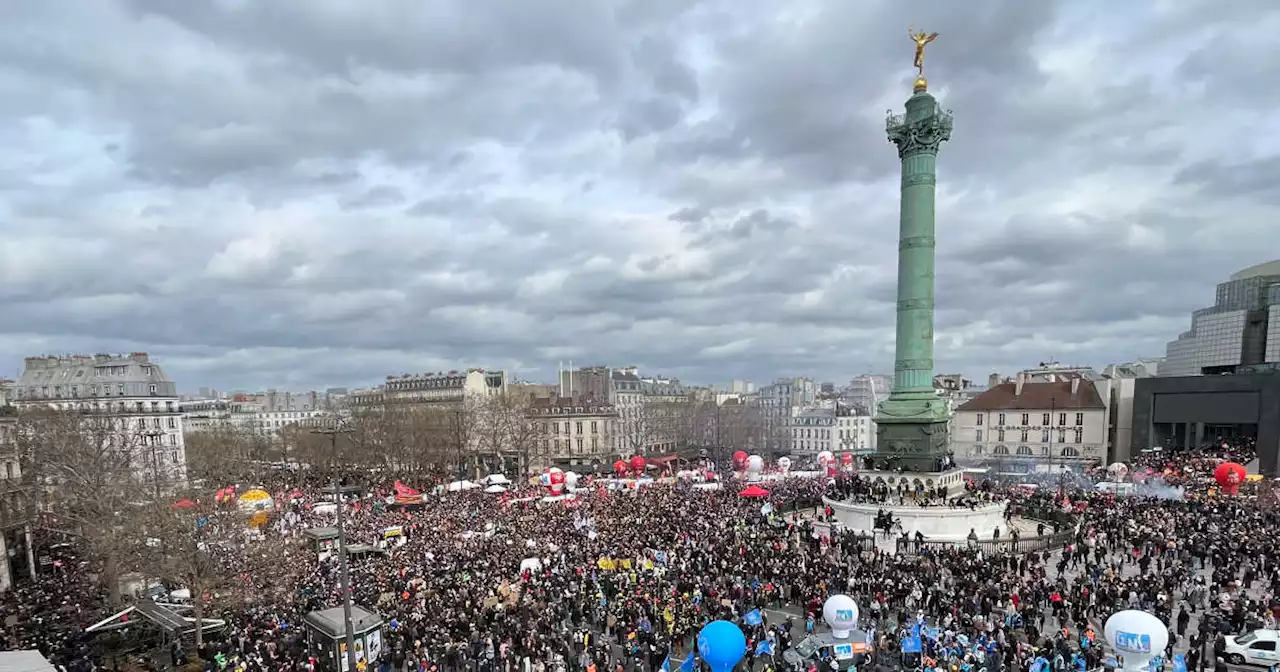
(324, 538)
(326, 637)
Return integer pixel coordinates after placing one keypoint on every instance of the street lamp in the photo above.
(345, 578)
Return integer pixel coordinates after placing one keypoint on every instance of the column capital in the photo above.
(922, 129)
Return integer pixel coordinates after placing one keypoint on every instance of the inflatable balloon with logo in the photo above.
(1136, 637)
(841, 613)
(721, 645)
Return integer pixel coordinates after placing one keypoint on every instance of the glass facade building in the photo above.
(1241, 330)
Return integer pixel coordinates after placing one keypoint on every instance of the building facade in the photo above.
(868, 390)
(1240, 332)
(450, 389)
(135, 397)
(833, 427)
(205, 415)
(1033, 423)
(779, 401)
(16, 507)
(1177, 413)
(653, 412)
(580, 433)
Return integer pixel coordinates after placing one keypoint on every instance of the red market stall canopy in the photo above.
(753, 491)
(183, 504)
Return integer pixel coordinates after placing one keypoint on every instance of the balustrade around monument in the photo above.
(987, 546)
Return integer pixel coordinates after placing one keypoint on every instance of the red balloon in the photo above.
(846, 459)
(1229, 475)
(739, 459)
(637, 464)
(620, 467)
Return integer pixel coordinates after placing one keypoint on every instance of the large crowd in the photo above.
(625, 578)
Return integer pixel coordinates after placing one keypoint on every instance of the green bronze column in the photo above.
(911, 425)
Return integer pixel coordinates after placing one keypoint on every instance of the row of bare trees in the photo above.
(109, 485)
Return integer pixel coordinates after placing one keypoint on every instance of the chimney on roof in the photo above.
(1017, 388)
(993, 380)
(1075, 386)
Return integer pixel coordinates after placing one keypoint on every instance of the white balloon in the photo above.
(841, 613)
(755, 464)
(1137, 637)
(826, 457)
(571, 479)
(784, 463)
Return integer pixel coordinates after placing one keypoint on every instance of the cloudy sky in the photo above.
(299, 193)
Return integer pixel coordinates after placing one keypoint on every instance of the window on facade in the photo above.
(594, 427)
(142, 423)
(1070, 451)
(1062, 436)
(595, 443)
(1024, 450)
(1025, 419)
(1079, 419)
(1062, 418)
(1001, 450)
(579, 444)
(978, 436)
(1079, 436)
(1000, 420)
(120, 389)
(979, 419)
(173, 423)
(1044, 436)
(1044, 419)
(579, 428)
(1024, 435)
(8, 470)
(1000, 435)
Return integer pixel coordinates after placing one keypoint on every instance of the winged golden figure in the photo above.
(921, 39)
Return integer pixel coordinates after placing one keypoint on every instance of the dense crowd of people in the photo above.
(623, 579)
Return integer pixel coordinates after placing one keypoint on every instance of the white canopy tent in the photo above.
(459, 486)
(495, 489)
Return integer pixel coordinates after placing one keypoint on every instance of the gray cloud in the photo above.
(305, 194)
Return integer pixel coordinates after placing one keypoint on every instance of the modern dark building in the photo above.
(1240, 332)
(1186, 411)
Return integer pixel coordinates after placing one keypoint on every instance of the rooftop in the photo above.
(70, 376)
(1037, 396)
(1265, 268)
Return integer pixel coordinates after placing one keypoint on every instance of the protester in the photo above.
(625, 578)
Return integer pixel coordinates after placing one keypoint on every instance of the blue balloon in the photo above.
(721, 644)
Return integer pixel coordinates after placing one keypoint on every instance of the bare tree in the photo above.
(741, 426)
(226, 453)
(506, 430)
(91, 473)
(639, 429)
(191, 544)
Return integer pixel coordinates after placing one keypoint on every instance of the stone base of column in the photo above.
(912, 434)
